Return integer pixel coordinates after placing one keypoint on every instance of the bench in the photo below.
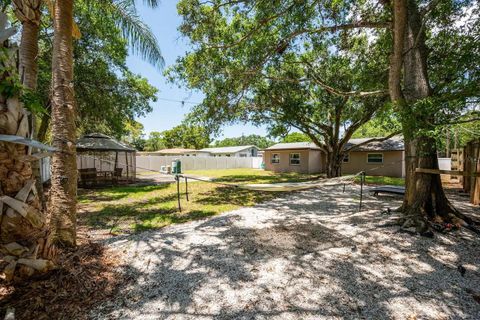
(88, 176)
(388, 189)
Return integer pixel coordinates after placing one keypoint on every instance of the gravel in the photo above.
(306, 255)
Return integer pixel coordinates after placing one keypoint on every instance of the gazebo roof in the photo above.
(101, 142)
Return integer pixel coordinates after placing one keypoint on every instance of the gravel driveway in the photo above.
(307, 255)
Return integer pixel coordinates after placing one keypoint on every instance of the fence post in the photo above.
(362, 180)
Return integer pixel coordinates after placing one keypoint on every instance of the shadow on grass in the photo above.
(139, 216)
(235, 196)
(116, 193)
(152, 220)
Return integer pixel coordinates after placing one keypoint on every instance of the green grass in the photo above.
(136, 208)
(244, 175)
(381, 180)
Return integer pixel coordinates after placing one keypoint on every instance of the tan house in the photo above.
(383, 158)
(302, 157)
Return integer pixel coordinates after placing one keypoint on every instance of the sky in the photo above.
(166, 114)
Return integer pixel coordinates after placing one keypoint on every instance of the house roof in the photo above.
(228, 149)
(176, 151)
(294, 145)
(392, 144)
(101, 142)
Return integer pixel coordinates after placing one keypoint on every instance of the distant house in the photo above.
(177, 152)
(376, 158)
(236, 151)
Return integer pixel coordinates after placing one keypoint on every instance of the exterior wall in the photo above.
(392, 165)
(306, 165)
(316, 161)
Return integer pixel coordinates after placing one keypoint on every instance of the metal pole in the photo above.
(362, 179)
(178, 192)
(344, 188)
(186, 188)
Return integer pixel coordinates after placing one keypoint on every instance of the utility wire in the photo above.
(179, 101)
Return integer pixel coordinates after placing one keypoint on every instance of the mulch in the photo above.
(85, 276)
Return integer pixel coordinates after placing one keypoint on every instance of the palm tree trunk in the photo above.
(28, 56)
(63, 194)
(23, 233)
(29, 14)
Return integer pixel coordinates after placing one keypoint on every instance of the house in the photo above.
(177, 152)
(380, 158)
(301, 157)
(383, 158)
(236, 151)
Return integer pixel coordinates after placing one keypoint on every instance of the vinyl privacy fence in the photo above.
(198, 163)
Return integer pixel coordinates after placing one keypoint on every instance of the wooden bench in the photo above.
(88, 176)
(388, 189)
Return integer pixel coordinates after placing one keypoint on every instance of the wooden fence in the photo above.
(471, 165)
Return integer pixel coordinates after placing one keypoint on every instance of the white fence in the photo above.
(198, 163)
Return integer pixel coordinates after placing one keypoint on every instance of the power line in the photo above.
(179, 101)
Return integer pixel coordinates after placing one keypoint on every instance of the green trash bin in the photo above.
(176, 167)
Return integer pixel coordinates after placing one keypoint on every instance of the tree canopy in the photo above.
(253, 64)
(296, 137)
(181, 136)
(108, 94)
(252, 139)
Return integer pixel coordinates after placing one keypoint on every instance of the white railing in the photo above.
(198, 163)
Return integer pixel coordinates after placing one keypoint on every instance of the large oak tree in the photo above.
(432, 65)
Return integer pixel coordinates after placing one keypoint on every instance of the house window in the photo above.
(375, 158)
(243, 155)
(294, 159)
(275, 158)
(346, 158)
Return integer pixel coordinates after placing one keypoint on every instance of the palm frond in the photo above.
(140, 37)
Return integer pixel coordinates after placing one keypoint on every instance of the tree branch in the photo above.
(372, 140)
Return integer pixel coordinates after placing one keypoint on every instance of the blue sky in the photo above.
(164, 22)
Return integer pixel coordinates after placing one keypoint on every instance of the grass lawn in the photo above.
(381, 180)
(136, 208)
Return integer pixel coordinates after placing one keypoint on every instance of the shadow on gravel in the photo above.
(307, 255)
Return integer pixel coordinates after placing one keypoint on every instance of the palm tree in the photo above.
(23, 233)
(142, 41)
(29, 15)
(63, 193)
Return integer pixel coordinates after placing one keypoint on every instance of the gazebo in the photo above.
(102, 160)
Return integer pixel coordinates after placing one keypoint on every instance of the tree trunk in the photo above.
(425, 200)
(29, 13)
(23, 233)
(334, 163)
(44, 124)
(63, 192)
